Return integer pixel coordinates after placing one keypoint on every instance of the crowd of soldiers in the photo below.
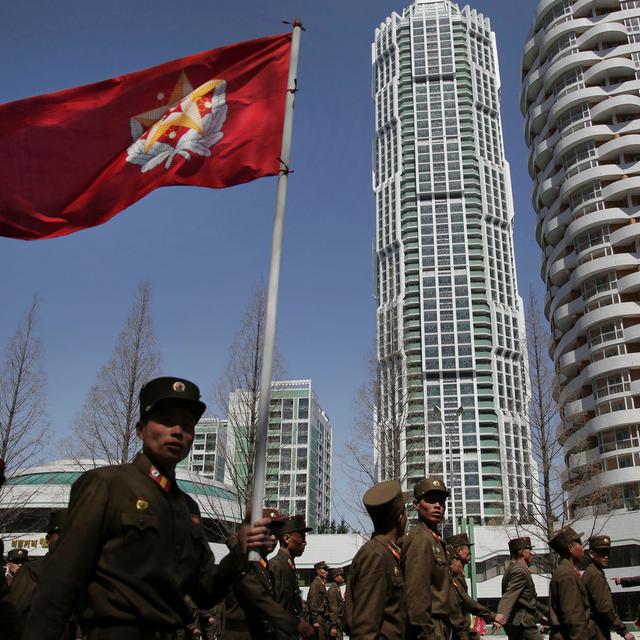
(129, 560)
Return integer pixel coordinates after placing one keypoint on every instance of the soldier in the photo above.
(431, 607)
(375, 597)
(23, 589)
(133, 545)
(519, 610)
(293, 540)
(9, 620)
(336, 602)
(15, 559)
(317, 600)
(568, 601)
(603, 613)
(460, 556)
(251, 611)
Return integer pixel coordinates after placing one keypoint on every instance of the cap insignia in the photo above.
(178, 386)
(606, 540)
(142, 504)
(436, 483)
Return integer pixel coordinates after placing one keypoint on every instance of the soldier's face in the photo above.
(273, 541)
(599, 558)
(527, 554)
(296, 543)
(577, 551)
(464, 553)
(431, 508)
(14, 567)
(167, 435)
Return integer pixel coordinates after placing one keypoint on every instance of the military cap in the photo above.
(563, 538)
(384, 501)
(293, 524)
(16, 555)
(427, 485)
(321, 565)
(56, 521)
(174, 390)
(276, 521)
(333, 573)
(600, 542)
(515, 544)
(458, 540)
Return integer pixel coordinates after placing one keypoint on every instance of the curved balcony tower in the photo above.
(581, 102)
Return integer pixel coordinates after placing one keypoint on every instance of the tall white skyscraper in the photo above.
(581, 100)
(451, 340)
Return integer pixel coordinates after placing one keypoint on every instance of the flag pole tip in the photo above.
(296, 23)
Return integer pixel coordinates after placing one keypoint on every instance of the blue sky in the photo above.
(205, 250)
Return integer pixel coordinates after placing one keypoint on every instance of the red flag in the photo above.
(73, 159)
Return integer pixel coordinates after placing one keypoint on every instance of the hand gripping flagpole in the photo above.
(257, 493)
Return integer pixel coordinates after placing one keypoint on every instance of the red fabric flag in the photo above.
(75, 158)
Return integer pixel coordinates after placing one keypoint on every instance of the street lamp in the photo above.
(449, 433)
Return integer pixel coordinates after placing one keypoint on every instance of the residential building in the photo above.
(451, 338)
(207, 456)
(580, 97)
(299, 450)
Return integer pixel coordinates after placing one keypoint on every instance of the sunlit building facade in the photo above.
(581, 100)
(450, 331)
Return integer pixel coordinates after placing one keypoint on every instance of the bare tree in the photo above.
(106, 428)
(237, 395)
(22, 409)
(22, 396)
(376, 450)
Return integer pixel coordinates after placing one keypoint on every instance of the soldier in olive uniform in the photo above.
(133, 545)
(317, 601)
(9, 619)
(15, 559)
(603, 613)
(570, 615)
(519, 610)
(431, 607)
(24, 587)
(460, 556)
(286, 591)
(336, 602)
(375, 597)
(252, 612)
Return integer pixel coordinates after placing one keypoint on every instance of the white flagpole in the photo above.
(257, 496)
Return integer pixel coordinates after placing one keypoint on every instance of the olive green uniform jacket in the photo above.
(466, 603)
(431, 601)
(131, 549)
(375, 596)
(569, 612)
(9, 618)
(256, 614)
(286, 590)
(336, 608)
(519, 603)
(603, 612)
(318, 605)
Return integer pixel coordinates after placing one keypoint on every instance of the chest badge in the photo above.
(142, 504)
(396, 571)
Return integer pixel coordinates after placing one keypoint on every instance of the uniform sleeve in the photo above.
(23, 590)
(215, 582)
(630, 582)
(472, 606)
(68, 569)
(416, 562)
(251, 593)
(367, 593)
(515, 586)
(278, 581)
(570, 608)
(601, 600)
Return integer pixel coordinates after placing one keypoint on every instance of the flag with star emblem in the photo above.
(75, 158)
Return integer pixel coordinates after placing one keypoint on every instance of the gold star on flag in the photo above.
(183, 88)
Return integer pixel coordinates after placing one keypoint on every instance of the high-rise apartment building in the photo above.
(299, 450)
(451, 340)
(581, 100)
(299, 453)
